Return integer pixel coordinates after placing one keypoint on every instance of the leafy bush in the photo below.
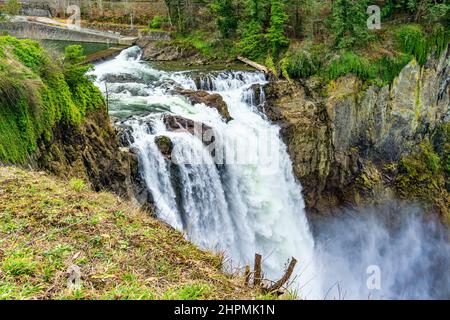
(389, 67)
(271, 65)
(306, 62)
(412, 40)
(156, 22)
(347, 63)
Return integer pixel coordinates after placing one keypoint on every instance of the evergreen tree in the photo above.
(276, 33)
(227, 20)
(253, 44)
(258, 9)
(349, 22)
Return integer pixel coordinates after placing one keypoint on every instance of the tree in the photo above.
(227, 20)
(276, 33)
(349, 22)
(258, 9)
(181, 13)
(253, 44)
(428, 10)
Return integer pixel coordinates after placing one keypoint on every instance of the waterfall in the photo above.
(242, 201)
(235, 191)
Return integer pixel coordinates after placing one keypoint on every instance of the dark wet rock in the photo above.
(212, 100)
(93, 152)
(198, 129)
(177, 123)
(167, 51)
(125, 136)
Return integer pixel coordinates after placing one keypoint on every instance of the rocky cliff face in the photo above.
(92, 152)
(345, 140)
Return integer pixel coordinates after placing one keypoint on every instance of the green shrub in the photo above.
(156, 22)
(389, 67)
(412, 40)
(306, 62)
(77, 184)
(347, 63)
(271, 65)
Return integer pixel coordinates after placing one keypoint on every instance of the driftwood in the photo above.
(254, 64)
(257, 276)
(277, 285)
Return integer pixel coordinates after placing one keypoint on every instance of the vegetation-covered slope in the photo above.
(37, 92)
(47, 225)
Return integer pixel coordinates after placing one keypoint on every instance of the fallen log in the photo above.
(254, 64)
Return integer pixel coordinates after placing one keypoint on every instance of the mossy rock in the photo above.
(164, 144)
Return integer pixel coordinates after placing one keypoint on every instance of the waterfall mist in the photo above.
(410, 253)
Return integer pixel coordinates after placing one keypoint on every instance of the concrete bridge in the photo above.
(40, 28)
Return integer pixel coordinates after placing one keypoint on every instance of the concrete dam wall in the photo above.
(41, 31)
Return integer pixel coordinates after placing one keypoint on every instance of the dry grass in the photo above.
(47, 225)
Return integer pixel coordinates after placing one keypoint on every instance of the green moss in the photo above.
(421, 176)
(413, 40)
(389, 67)
(37, 93)
(441, 143)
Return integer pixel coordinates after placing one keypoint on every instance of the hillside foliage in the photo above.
(292, 31)
(38, 91)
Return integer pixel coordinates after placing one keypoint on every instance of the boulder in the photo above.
(212, 100)
(201, 130)
(165, 145)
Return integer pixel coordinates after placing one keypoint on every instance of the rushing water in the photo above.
(238, 193)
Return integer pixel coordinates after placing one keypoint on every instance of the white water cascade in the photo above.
(238, 194)
(244, 201)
